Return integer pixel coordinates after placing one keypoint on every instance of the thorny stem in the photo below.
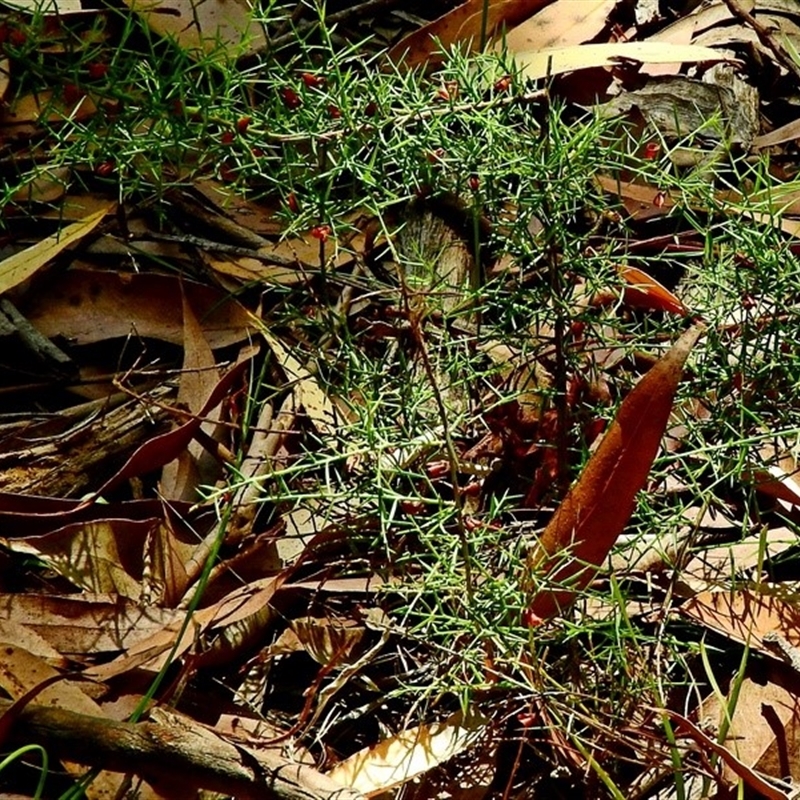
(415, 318)
(560, 318)
(537, 96)
(356, 11)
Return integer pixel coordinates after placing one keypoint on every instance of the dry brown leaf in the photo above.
(89, 306)
(329, 640)
(5, 76)
(85, 624)
(50, 7)
(16, 269)
(34, 643)
(463, 24)
(644, 291)
(715, 566)
(706, 743)
(413, 752)
(46, 187)
(786, 133)
(764, 730)
(563, 23)
(776, 481)
(74, 207)
(537, 65)
(683, 30)
(307, 391)
(249, 605)
(747, 615)
(641, 200)
(103, 557)
(249, 270)
(181, 478)
(225, 28)
(598, 506)
(27, 110)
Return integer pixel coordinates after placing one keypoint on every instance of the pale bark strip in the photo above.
(195, 755)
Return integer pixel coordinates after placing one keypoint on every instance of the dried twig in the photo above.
(765, 36)
(158, 752)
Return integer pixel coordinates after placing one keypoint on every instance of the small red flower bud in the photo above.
(435, 155)
(660, 199)
(321, 232)
(291, 202)
(242, 124)
(290, 98)
(334, 112)
(257, 152)
(227, 137)
(371, 109)
(97, 70)
(176, 107)
(474, 182)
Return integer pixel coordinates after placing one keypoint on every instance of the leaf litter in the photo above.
(311, 618)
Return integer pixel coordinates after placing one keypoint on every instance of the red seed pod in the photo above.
(52, 26)
(371, 109)
(651, 150)
(530, 619)
(313, 81)
(105, 169)
(97, 70)
(436, 155)
(292, 203)
(472, 489)
(72, 94)
(227, 172)
(257, 152)
(242, 124)
(321, 232)
(334, 112)
(412, 507)
(438, 469)
(227, 137)
(17, 37)
(290, 98)
(504, 84)
(112, 108)
(527, 719)
(474, 182)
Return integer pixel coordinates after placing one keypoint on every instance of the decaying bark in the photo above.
(196, 756)
(68, 464)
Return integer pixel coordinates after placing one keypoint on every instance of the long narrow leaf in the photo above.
(600, 503)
